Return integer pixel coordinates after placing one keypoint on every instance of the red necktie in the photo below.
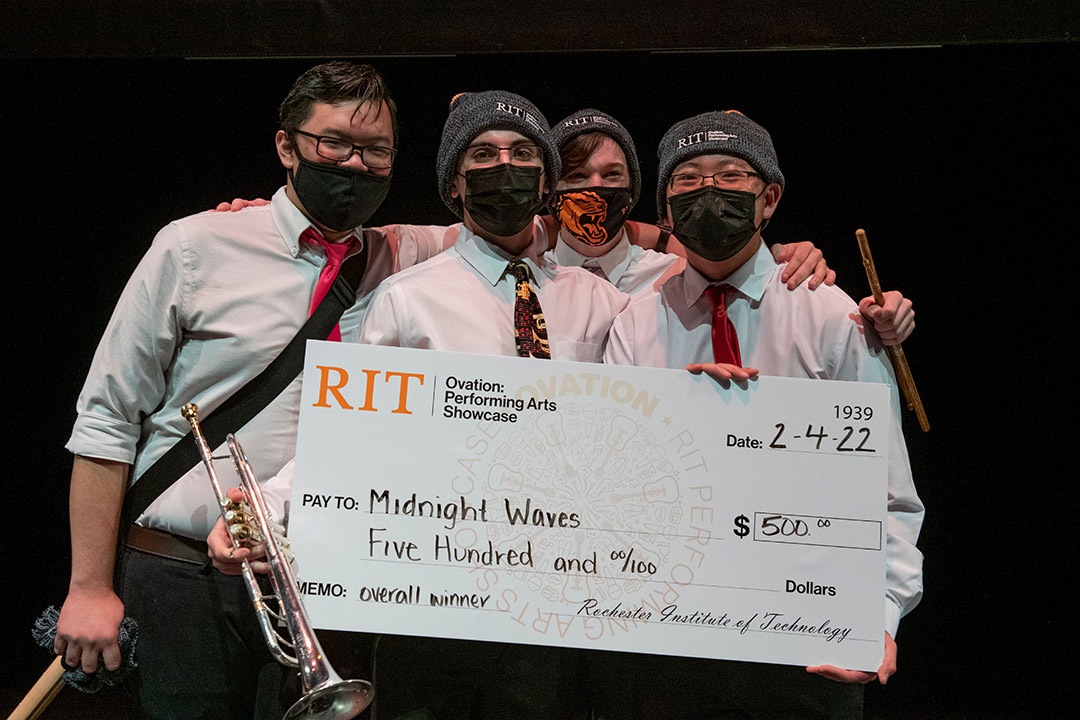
(725, 342)
(335, 253)
(530, 329)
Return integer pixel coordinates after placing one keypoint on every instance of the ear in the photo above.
(285, 149)
(772, 199)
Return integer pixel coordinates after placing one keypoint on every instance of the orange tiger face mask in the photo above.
(593, 215)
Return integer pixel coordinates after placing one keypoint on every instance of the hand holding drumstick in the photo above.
(896, 352)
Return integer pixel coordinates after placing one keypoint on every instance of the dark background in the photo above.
(957, 155)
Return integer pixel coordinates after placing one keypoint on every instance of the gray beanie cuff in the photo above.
(590, 120)
(474, 113)
(724, 133)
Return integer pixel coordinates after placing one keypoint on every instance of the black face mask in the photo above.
(593, 215)
(712, 222)
(338, 198)
(503, 199)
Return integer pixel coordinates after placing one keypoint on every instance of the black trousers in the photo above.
(200, 652)
(430, 678)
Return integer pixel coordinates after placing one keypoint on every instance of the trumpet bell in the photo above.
(339, 701)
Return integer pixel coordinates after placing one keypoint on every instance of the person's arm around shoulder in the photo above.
(239, 204)
(804, 263)
(642, 234)
(91, 615)
(413, 244)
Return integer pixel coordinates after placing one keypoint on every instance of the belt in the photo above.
(166, 545)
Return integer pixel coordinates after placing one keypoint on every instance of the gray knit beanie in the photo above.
(589, 120)
(474, 113)
(727, 133)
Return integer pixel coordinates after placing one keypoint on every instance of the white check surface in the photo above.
(627, 509)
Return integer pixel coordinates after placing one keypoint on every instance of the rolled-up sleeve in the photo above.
(128, 375)
(413, 244)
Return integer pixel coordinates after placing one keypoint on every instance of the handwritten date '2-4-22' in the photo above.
(850, 439)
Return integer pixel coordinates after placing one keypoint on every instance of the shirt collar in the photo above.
(490, 261)
(291, 223)
(749, 279)
(614, 262)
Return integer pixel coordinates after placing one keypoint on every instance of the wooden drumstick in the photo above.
(45, 689)
(896, 352)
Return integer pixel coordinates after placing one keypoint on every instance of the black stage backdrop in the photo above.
(955, 160)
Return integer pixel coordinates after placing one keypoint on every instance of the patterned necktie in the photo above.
(335, 253)
(597, 271)
(530, 329)
(725, 342)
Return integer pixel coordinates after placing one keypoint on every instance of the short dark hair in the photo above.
(578, 149)
(333, 83)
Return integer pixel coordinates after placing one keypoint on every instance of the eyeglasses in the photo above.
(375, 157)
(524, 154)
(725, 179)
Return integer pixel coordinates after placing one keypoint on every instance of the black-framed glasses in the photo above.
(375, 157)
(484, 154)
(725, 179)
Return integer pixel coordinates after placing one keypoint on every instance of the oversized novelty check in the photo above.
(580, 505)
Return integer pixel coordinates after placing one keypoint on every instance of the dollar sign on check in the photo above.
(741, 529)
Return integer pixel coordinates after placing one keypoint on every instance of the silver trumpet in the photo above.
(326, 695)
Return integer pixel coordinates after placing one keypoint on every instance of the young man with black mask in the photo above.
(495, 165)
(214, 301)
(728, 314)
(494, 293)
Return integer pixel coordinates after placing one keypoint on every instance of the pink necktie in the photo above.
(335, 253)
(725, 342)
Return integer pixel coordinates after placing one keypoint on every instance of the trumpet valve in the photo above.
(241, 525)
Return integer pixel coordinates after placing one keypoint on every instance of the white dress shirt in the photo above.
(630, 268)
(796, 333)
(214, 300)
(463, 300)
